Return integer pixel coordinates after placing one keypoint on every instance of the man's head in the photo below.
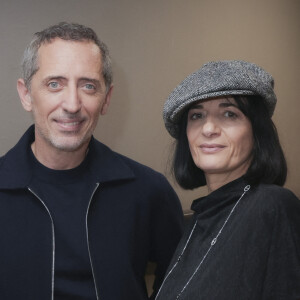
(66, 86)
(68, 32)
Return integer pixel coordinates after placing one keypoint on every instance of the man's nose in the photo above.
(72, 100)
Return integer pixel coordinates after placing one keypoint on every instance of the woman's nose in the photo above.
(210, 127)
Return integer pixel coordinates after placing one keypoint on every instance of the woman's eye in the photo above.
(230, 114)
(196, 116)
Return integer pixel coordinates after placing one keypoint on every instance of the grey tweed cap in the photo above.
(215, 79)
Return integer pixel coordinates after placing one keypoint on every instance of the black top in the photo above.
(256, 255)
(66, 196)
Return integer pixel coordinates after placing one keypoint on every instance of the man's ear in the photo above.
(24, 95)
(106, 102)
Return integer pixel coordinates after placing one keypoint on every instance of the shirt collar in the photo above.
(105, 166)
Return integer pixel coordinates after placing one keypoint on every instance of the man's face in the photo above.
(67, 94)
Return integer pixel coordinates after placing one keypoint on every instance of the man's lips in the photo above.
(211, 148)
(69, 124)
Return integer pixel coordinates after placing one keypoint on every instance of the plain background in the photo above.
(155, 45)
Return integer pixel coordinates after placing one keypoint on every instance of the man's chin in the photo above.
(69, 145)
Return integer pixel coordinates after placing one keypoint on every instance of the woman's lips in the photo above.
(211, 148)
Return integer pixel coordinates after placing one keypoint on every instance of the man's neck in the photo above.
(57, 159)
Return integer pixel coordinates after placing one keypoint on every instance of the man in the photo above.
(77, 220)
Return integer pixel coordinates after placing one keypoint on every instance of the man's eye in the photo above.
(90, 86)
(53, 85)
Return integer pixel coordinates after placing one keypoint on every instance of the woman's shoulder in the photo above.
(275, 199)
(274, 192)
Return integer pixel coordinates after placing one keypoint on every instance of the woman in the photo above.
(244, 242)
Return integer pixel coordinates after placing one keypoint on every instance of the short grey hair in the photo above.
(69, 32)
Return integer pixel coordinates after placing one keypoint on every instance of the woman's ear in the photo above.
(24, 95)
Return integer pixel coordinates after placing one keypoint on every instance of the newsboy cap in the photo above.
(215, 79)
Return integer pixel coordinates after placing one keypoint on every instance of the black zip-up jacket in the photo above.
(134, 216)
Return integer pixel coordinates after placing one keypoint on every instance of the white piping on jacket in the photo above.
(53, 241)
(88, 242)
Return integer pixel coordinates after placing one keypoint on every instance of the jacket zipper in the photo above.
(53, 241)
(88, 242)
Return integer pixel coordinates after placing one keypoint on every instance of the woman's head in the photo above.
(231, 133)
(220, 138)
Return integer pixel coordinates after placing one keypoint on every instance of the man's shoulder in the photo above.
(138, 169)
(142, 171)
(2, 159)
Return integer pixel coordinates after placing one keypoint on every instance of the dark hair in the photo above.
(69, 32)
(268, 163)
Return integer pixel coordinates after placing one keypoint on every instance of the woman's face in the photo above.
(220, 137)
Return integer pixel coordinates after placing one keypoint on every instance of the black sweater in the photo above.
(256, 255)
(66, 195)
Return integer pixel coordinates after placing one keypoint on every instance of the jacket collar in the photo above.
(105, 166)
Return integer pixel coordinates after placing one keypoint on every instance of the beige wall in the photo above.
(154, 45)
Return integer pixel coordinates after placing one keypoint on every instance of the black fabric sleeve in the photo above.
(282, 279)
(167, 228)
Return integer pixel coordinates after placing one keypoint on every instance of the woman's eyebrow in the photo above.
(197, 106)
(227, 104)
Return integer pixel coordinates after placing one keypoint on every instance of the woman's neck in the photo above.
(215, 181)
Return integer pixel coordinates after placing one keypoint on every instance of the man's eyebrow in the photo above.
(82, 79)
(93, 80)
(48, 78)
